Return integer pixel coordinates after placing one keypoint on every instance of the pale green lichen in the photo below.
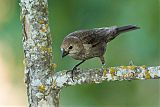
(41, 21)
(42, 88)
(39, 95)
(109, 77)
(147, 75)
(104, 73)
(144, 66)
(109, 74)
(60, 81)
(112, 71)
(132, 67)
(38, 67)
(123, 67)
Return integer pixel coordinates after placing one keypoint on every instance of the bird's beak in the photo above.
(64, 53)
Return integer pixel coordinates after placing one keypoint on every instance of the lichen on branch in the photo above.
(37, 53)
(62, 79)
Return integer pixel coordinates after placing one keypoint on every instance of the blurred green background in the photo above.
(142, 46)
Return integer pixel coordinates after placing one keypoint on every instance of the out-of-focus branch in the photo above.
(62, 79)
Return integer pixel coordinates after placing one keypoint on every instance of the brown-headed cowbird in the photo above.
(87, 44)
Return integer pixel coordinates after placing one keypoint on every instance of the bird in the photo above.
(90, 43)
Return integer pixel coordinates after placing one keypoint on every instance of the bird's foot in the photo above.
(73, 72)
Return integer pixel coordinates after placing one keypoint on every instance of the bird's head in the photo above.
(71, 46)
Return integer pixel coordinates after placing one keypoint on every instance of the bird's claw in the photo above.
(72, 73)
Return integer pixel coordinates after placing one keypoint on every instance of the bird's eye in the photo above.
(70, 47)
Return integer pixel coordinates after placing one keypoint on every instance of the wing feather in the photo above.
(91, 36)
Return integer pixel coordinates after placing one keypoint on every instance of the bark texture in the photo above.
(38, 54)
(63, 79)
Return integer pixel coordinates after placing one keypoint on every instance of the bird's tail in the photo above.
(126, 28)
(118, 30)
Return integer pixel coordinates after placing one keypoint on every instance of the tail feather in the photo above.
(118, 30)
(126, 28)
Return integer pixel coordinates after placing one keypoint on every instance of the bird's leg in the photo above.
(75, 68)
(103, 62)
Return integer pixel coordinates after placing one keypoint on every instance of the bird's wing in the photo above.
(91, 36)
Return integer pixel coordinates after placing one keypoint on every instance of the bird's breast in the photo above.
(78, 56)
(90, 52)
(94, 51)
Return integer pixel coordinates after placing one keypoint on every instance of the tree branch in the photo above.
(62, 79)
(38, 54)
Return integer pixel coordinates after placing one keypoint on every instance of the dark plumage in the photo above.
(86, 44)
